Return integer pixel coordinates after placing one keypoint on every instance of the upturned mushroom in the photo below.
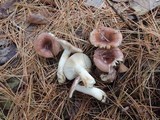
(105, 37)
(105, 60)
(46, 45)
(68, 49)
(94, 91)
(79, 64)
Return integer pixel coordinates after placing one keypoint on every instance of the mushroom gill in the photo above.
(105, 59)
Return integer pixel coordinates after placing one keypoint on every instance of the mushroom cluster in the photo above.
(73, 67)
(107, 55)
(78, 65)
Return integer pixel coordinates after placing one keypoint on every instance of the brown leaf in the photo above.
(122, 68)
(37, 19)
(3, 8)
(143, 6)
(8, 49)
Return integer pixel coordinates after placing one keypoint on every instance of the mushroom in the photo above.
(68, 49)
(46, 45)
(105, 60)
(105, 37)
(79, 64)
(95, 92)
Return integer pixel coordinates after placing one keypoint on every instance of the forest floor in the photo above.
(29, 87)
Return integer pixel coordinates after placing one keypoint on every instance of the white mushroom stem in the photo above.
(60, 74)
(110, 77)
(95, 92)
(87, 79)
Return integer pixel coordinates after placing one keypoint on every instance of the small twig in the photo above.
(122, 18)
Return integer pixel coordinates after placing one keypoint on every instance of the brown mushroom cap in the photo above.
(46, 45)
(105, 37)
(105, 59)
